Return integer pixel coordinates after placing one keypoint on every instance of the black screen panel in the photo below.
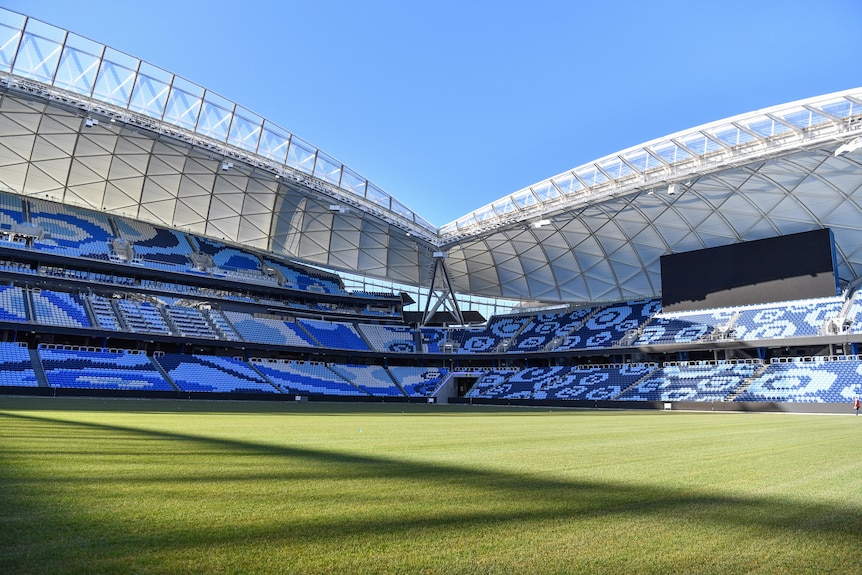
(783, 268)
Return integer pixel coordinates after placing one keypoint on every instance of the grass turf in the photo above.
(112, 486)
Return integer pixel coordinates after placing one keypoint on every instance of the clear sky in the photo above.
(450, 105)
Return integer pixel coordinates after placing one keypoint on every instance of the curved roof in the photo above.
(87, 125)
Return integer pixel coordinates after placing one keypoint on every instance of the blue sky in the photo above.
(450, 105)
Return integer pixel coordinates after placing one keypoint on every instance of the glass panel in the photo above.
(524, 199)
(700, 144)
(767, 127)
(841, 108)
(804, 118)
(37, 58)
(273, 143)
(184, 103)
(466, 222)
(401, 209)
(641, 160)
(505, 206)
(9, 38)
(352, 181)
(327, 169)
(424, 223)
(449, 228)
(568, 184)
(216, 114)
(116, 78)
(670, 152)
(484, 214)
(591, 176)
(546, 191)
(616, 168)
(301, 155)
(150, 94)
(245, 129)
(731, 135)
(79, 65)
(377, 196)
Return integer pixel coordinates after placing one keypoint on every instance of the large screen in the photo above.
(783, 268)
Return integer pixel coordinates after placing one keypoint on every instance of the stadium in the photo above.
(159, 241)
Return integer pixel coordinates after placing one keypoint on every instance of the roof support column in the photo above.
(441, 292)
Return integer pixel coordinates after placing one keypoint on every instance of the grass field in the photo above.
(116, 486)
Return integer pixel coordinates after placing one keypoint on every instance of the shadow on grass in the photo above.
(38, 527)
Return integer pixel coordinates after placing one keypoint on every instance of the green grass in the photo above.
(112, 486)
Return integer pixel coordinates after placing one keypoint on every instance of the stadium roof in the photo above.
(88, 125)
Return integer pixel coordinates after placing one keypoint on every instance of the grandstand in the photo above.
(207, 262)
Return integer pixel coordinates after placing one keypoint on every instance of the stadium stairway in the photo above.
(745, 384)
(634, 385)
(38, 370)
(164, 373)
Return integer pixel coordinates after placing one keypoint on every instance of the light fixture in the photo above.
(541, 223)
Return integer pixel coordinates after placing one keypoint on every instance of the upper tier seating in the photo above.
(788, 319)
(419, 381)
(266, 330)
(489, 338)
(222, 325)
(231, 262)
(433, 339)
(71, 231)
(372, 379)
(808, 380)
(306, 378)
(59, 308)
(609, 325)
(297, 278)
(394, 338)
(684, 327)
(142, 317)
(207, 373)
(101, 369)
(157, 248)
(692, 381)
(16, 368)
(334, 334)
(12, 306)
(11, 210)
(544, 328)
(190, 322)
(106, 318)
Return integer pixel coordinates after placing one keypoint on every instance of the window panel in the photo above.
(184, 104)
(79, 65)
(377, 196)
(352, 181)
(273, 143)
(546, 191)
(216, 115)
(245, 130)
(37, 58)
(524, 199)
(301, 155)
(327, 169)
(568, 184)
